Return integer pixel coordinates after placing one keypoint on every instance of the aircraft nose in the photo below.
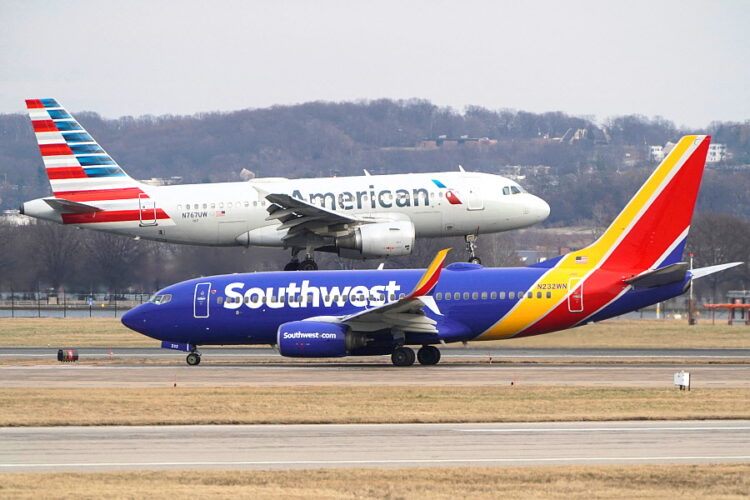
(133, 319)
(540, 209)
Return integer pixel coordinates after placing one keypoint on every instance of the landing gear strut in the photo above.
(308, 264)
(428, 355)
(403, 356)
(471, 241)
(194, 358)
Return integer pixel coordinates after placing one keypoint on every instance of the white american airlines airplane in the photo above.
(357, 217)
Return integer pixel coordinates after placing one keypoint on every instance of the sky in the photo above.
(687, 61)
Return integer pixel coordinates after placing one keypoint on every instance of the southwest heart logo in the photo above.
(450, 195)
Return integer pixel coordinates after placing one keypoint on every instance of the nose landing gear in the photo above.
(471, 243)
(194, 358)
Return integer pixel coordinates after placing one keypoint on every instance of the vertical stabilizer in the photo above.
(77, 167)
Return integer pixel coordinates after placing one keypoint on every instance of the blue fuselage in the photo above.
(249, 308)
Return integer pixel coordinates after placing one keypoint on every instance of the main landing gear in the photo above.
(194, 358)
(308, 264)
(404, 356)
(471, 245)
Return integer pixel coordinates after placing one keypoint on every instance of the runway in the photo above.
(451, 352)
(330, 446)
(219, 373)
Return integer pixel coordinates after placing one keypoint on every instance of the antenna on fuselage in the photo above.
(461, 168)
(368, 174)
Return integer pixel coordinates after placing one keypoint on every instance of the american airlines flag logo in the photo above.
(220, 213)
(580, 259)
(450, 195)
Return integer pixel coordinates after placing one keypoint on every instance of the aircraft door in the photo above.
(575, 299)
(475, 200)
(200, 300)
(146, 210)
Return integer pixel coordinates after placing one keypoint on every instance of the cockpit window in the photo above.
(161, 299)
(506, 190)
(515, 190)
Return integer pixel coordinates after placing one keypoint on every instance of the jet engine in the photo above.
(380, 239)
(317, 339)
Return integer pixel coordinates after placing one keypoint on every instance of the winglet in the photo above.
(431, 275)
(705, 271)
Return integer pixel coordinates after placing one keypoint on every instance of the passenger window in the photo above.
(401, 295)
(205, 205)
(466, 295)
(221, 204)
(502, 295)
(213, 205)
(255, 203)
(439, 296)
(549, 295)
(219, 300)
(520, 294)
(493, 295)
(484, 295)
(538, 295)
(530, 295)
(247, 204)
(456, 296)
(511, 295)
(229, 204)
(448, 296)
(475, 295)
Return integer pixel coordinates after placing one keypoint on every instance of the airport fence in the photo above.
(62, 304)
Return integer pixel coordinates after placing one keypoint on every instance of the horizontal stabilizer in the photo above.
(672, 273)
(705, 271)
(67, 206)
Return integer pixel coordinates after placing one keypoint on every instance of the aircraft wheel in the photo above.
(475, 260)
(428, 355)
(292, 266)
(403, 356)
(308, 265)
(193, 359)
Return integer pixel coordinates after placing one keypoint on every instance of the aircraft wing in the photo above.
(298, 216)
(406, 313)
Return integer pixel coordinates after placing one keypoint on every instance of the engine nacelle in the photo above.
(317, 339)
(380, 239)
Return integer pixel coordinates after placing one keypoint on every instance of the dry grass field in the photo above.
(107, 332)
(687, 482)
(361, 404)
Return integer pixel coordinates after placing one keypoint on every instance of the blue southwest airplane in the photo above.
(636, 262)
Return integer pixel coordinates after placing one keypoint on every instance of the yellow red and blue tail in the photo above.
(649, 233)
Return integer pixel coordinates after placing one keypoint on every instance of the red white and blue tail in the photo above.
(77, 167)
(88, 185)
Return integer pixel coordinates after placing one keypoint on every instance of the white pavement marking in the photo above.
(610, 429)
(376, 462)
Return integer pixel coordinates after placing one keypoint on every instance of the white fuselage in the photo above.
(234, 213)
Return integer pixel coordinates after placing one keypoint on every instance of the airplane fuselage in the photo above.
(474, 303)
(234, 213)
